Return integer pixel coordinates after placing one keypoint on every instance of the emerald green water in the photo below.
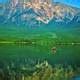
(65, 41)
(64, 54)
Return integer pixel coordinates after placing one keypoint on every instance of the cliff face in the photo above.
(40, 11)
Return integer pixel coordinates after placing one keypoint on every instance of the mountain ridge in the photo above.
(58, 12)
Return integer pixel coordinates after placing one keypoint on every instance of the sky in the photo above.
(74, 3)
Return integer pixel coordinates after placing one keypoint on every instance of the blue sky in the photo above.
(75, 3)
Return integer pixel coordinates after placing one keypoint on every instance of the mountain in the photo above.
(40, 13)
